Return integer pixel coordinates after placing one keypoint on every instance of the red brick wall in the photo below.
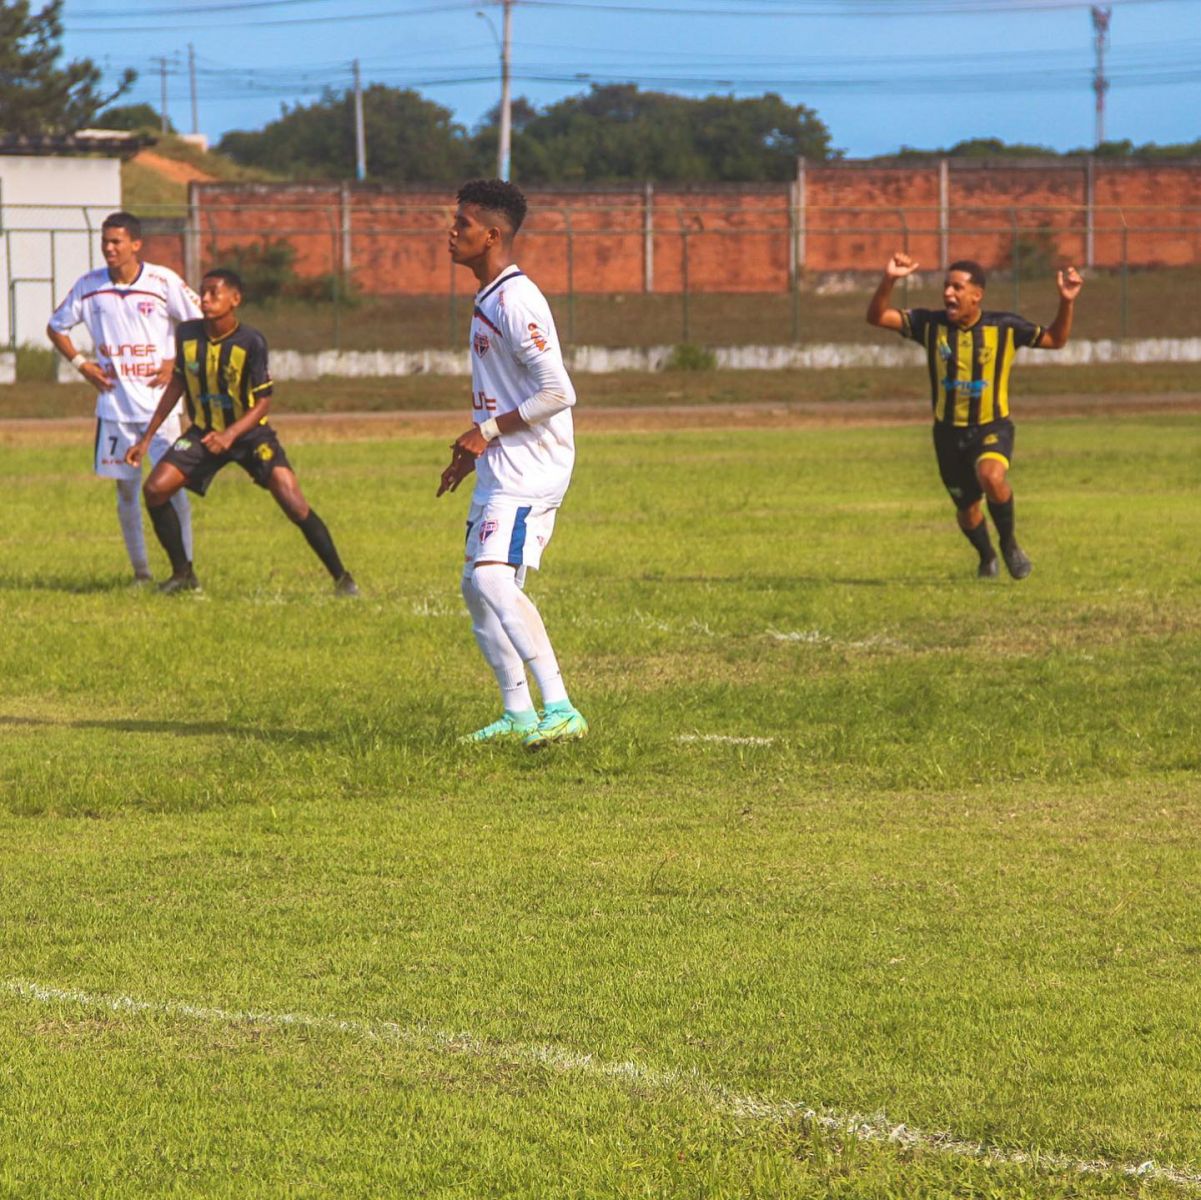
(723, 238)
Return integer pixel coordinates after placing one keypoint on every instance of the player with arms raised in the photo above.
(130, 309)
(969, 353)
(522, 449)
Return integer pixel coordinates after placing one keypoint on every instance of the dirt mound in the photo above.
(172, 168)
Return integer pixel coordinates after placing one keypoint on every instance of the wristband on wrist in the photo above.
(78, 361)
(489, 429)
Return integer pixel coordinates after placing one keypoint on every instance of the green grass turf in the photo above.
(838, 388)
(958, 887)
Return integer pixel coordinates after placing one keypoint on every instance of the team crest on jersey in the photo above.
(481, 343)
(986, 355)
(537, 336)
(487, 529)
(146, 308)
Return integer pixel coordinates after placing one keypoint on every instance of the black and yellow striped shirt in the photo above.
(222, 377)
(969, 368)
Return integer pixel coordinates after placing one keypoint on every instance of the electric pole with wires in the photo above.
(1101, 14)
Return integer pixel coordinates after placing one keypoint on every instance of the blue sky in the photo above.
(880, 73)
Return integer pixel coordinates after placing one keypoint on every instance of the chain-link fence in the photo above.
(324, 275)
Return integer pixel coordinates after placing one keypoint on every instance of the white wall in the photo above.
(50, 215)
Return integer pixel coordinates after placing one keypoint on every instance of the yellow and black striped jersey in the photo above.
(969, 368)
(222, 377)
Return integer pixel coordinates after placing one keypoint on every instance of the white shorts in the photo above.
(113, 438)
(507, 531)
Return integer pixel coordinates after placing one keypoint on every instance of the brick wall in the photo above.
(840, 217)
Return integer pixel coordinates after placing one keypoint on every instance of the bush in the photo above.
(268, 269)
(688, 356)
(36, 365)
(1032, 254)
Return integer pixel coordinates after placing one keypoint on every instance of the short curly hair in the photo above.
(497, 196)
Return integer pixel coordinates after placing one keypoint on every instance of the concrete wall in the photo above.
(51, 209)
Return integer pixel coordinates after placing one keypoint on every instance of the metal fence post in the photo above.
(1015, 254)
(191, 237)
(570, 276)
(648, 237)
(1124, 325)
(684, 282)
(1090, 200)
(335, 277)
(944, 213)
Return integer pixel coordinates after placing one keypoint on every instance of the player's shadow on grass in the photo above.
(75, 585)
(303, 737)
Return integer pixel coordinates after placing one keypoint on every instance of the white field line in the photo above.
(726, 739)
(721, 1099)
(815, 637)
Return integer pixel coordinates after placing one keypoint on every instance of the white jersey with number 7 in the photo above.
(515, 354)
(132, 326)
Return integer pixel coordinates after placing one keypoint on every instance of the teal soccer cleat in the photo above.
(558, 724)
(509, 726)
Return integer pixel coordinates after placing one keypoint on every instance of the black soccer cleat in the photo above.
(1018, 565)
(989, 568)
(345, 585)
(181, 581)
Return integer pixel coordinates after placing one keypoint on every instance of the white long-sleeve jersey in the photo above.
(132, 326)
(515, 356)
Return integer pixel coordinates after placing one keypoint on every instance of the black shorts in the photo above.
(258, 453)
(959, 448)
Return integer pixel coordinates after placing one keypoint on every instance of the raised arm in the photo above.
(1055, 336)
(879, 312)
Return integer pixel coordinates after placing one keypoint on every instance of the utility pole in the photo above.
(503, 158)
(360, 132)
(1101, 14)
(192, 85)
(162, 111)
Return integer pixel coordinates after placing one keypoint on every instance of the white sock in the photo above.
(183, 510)
(522, 622)
(129, 513)
(496, 648)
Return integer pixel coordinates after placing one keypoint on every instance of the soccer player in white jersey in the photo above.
(130, 309)
(522, 450)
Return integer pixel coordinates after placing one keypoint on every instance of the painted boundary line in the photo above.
(725, 739)
(721, 1099)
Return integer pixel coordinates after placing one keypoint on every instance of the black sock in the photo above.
(316, 534)
(166, 526)
(980, 539)
(1002, 516)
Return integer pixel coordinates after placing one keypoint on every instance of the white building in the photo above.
(52, 203)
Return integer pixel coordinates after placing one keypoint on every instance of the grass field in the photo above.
(856, 843)
(846, 390)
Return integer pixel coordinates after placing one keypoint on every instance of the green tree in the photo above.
(981, 147)
(620, 133)
(409, 139)
(133, 117)
(37, 95)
